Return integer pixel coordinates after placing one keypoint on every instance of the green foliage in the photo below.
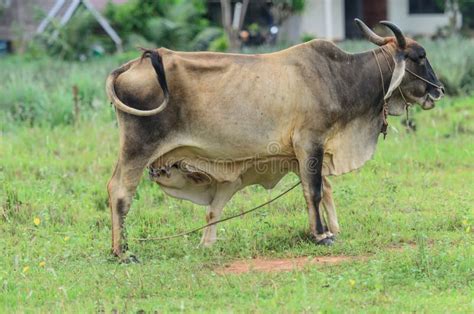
(80, 38)
(307, 37)
(296, 6)
(132, 15)
(174, 24)
(206, 37)
(254, 28)
(220, 44)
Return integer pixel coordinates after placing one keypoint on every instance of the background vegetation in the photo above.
(176, 24)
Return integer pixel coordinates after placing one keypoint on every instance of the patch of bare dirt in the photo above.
(267, 265)
(285, 264)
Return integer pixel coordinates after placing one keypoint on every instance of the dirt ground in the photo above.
(266, 265)
(284, 264)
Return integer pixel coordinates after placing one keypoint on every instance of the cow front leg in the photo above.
(121, 188)
(329, 207)
(310, 160)
(224, 192)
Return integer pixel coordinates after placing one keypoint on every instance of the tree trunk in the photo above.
(231, 27)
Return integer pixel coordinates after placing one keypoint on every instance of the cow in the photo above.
(209, 124)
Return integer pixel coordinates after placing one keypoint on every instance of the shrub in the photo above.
(220, 44)
(80, 38)
(171, 23)
(206, 38)
(174, 24)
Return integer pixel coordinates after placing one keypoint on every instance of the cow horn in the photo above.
(369, 34)
(397, 32)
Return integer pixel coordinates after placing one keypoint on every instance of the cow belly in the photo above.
(197, 194)
(268, 174)
(198, 186)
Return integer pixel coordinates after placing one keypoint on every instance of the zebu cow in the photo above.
(209, 124)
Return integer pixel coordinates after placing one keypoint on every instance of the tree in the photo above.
(233, 27)
(280, 10)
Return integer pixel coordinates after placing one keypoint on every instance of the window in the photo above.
(426, 6)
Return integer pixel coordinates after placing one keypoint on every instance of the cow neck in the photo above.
(387, 57)
(371, 81)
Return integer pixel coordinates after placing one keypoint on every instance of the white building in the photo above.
(333, 19)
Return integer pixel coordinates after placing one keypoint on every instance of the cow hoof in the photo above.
(332, 237)
(329, 241)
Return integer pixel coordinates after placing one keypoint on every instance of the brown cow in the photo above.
(227, 121)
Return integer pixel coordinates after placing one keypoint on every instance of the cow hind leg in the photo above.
(224, 192)
(121, 188)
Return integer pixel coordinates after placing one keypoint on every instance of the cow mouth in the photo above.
(428, 102)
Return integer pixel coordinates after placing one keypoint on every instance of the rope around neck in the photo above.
(383, 130)
(218, 221)
(407, 103)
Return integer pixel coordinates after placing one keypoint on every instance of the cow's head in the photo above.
(412, 71)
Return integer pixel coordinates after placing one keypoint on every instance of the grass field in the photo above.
(409, 213)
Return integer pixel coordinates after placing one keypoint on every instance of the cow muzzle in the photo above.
(433, 95)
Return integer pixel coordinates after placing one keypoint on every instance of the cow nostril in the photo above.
(442, 89)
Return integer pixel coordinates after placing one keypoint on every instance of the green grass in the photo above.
(416, 194)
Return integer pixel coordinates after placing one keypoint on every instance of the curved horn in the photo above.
(397, 32)
(369, 34)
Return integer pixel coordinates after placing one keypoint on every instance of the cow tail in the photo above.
(157, 63)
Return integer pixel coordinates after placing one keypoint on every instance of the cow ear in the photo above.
(397, 75)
